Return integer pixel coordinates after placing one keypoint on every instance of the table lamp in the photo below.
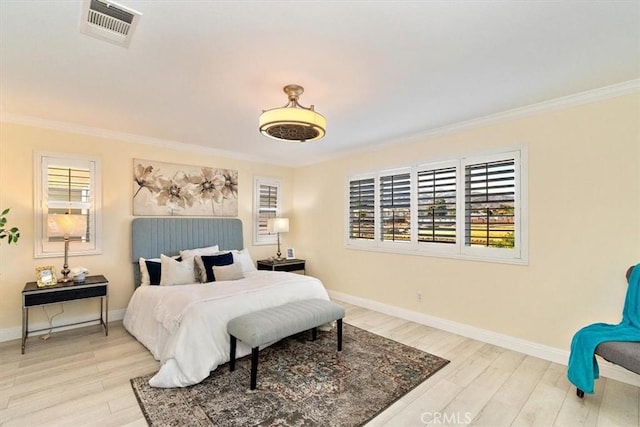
(278, 225)
(66, 226)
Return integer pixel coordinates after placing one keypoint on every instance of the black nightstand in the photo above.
(92, 287)
(284, 265)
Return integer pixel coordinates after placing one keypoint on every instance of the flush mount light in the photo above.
(293, 122)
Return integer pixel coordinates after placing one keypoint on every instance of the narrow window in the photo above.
(266, 205)
(67, 185)
(395, 207)
(437, 201)
(490, 198)
(362, 209)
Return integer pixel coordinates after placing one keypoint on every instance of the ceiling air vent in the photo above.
(108, 21)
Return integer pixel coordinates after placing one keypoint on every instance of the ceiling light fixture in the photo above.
(293, 122)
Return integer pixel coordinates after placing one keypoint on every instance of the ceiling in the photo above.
(201, 72)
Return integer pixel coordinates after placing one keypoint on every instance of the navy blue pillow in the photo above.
(155, 269)
(208, 261)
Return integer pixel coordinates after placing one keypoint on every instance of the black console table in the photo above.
(92, 287)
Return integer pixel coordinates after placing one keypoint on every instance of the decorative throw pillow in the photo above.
(243, 258)
(150, 270)
(190, 253)
(145, 265)
(227, 272)
(205, 262)
(175, 272)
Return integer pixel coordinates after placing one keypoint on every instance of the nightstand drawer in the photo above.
(285, 265)
(41, 298)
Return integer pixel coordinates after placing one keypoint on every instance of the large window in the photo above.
(472, 208)
(67, 185)
(266, 192)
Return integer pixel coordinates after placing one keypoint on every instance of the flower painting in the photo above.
(170, 189)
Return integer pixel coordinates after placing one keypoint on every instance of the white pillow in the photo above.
(227, 272)
(176, 272)
(144, 272)
(243, 259)
(190, 253)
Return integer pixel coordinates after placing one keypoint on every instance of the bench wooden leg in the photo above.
(339, 334)
(254, 367)
(232, 354)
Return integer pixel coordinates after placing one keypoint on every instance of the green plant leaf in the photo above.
(6, 211)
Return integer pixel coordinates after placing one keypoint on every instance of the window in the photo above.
(490, 204)
(67, 185)
(437, 205)
(362, 209)
(266, 193)
(395, 207)
(468, 208)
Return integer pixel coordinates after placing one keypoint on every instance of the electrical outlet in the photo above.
(419, 296)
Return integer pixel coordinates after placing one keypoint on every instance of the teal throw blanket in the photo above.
(583, 367)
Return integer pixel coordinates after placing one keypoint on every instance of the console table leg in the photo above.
(25, 326)
(106, 315)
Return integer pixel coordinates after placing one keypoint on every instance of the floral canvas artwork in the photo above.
(171, 189)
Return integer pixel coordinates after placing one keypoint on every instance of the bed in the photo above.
(184, 326)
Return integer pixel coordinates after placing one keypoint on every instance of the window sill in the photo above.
(450, 255)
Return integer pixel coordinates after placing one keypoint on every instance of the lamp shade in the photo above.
(278, 225)
(66, 225)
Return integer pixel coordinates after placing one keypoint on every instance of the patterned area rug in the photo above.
(300, 383)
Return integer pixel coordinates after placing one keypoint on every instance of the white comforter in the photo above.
(185, 326)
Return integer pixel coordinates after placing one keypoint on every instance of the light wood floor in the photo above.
(81, 377)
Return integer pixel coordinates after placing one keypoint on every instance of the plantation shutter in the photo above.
(267, 206)
(362, 209)
(490, 204)
(395, 207)
(437, 205)
(69, 192)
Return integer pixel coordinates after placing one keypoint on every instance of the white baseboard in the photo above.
(9, 334)
(541, 351)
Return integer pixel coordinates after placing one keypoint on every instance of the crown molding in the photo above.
(126, 137)
(603, 93)
(586, 97)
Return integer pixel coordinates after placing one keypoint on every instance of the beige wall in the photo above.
(584, 222)
(584, 227)
(17, 263)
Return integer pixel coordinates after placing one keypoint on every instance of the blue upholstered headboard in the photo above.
(154, 236)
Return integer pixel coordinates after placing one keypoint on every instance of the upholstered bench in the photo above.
(275, 323)
(622, 353)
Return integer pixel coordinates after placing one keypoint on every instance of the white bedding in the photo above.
(185, 326)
